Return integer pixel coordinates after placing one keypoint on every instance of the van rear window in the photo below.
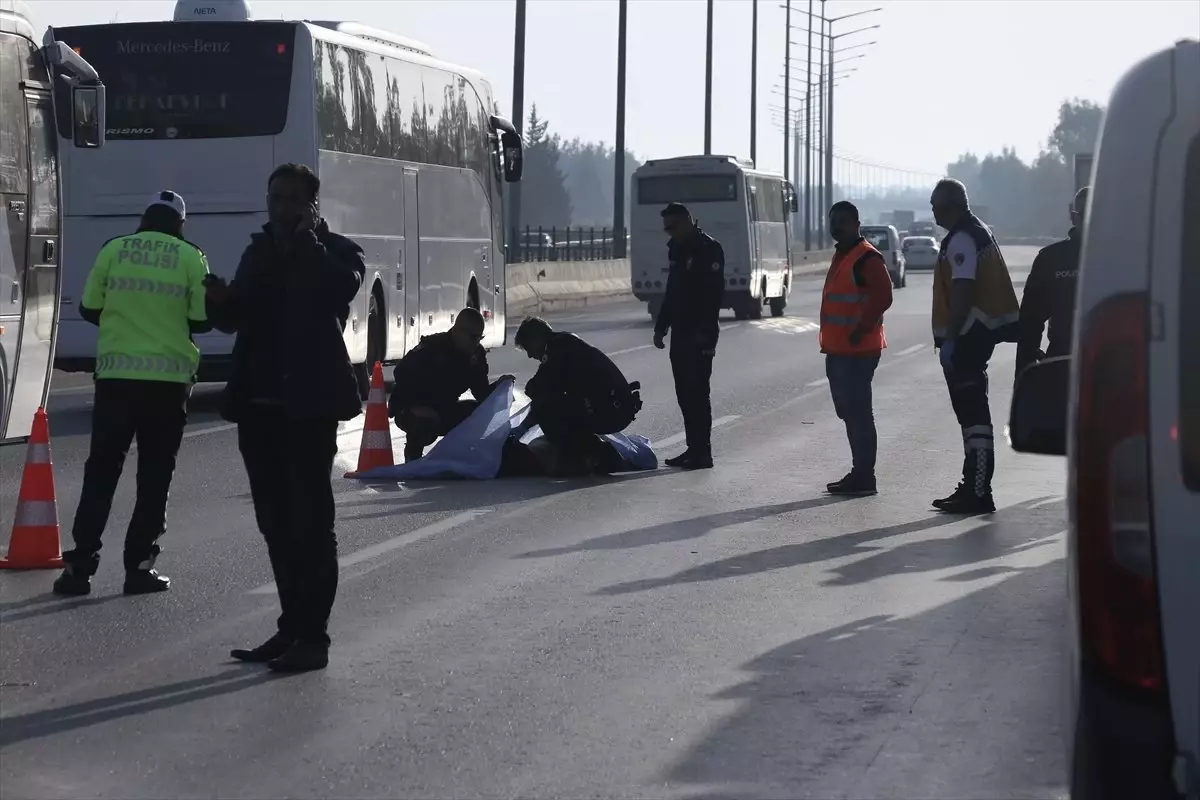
(1189, 323)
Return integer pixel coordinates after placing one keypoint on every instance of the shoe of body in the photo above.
(698, 461)
(853, 485)
(72, 584)
(269, 650)
(965, 501)
(679, 460)
(145, 581)
(301, 657)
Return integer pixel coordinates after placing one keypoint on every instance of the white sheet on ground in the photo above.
(473, 450)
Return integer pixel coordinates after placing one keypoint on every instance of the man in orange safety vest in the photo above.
(858, 290)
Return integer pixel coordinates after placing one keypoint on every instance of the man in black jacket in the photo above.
(291, 384)
(1050, 293)
(690, 310)
(577, 392)
(430, 380)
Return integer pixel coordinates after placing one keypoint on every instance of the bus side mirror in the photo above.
(793, 204)
(514, 156)
(87, 116)
(1037, 421)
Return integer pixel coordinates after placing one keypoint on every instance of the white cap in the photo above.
(172, 201)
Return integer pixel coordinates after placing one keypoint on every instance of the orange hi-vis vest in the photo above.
(842, 302)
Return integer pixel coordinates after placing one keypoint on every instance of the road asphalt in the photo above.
(731, 633)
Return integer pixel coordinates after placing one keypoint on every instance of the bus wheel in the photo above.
(778, 304)
(375, 349)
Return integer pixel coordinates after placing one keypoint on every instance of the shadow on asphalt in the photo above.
(36, 724)
(463, 495)
(45, 604)
(960, 701)
(683, 530)
(980, 543)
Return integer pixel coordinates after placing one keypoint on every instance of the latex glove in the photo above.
(946, 354)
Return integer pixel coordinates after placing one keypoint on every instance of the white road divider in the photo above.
(535, 287)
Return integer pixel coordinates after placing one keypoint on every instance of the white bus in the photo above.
(411, 154)
(30, 211)
(746, 210)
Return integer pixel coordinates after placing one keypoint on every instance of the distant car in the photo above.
(1124, 408)
(886, 240)
(920, 252)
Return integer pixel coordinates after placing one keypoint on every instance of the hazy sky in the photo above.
(944, 76)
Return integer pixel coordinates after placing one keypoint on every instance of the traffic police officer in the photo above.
(146, 294)
(1050, 293)
(974, 309)
(690, 308)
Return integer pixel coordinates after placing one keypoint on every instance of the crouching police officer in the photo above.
(146, 294)
(690, 310)
(1050, 293)
(430, 380)
(577, 393)
(974, 309)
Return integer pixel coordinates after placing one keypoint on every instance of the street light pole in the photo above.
(787, 87)
(518, 114)
(754, 81)
(708, 84)
(808, 186)
(829, 130)
(821, 176)
(619, 155)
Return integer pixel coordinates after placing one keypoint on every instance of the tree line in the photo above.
(1032, 199)
(568, 183)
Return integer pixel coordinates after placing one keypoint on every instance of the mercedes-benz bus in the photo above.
(745, 209)
(30, 203)
(411, 153)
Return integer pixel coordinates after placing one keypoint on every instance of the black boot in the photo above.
(302, 656)
(974, 493)
(699, 459)
(145, 581)
(412, 452)
(679, 460)
(72, 583)
(269, 650)
(853, 485)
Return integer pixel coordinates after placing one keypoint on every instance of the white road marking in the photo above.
(908, 350)
(224, 426)
(615, 353)
(821, 382)
(671, 441)
(395, 543)
(887, 362)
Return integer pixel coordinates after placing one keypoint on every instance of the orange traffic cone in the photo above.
(376, 450)
(34, 543)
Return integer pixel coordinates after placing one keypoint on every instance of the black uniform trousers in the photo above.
(967, 380)
(420, 432)
(691, 366)
(288, 463)
(154, 414)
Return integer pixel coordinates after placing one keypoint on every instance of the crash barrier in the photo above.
(538, 287)
(500, 441)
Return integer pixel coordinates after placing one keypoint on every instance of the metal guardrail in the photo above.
(562, 244)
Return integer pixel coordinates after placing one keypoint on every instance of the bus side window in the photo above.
(13, 136)
(753, 204)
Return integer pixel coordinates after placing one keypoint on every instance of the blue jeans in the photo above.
(850, 385)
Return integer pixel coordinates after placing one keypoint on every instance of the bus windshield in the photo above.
(188, 80)
(663, 189)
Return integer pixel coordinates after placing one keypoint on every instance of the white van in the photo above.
(1125, 410)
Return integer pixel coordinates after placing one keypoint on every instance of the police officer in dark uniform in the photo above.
(431, 379)
(577, 394)
(1050, 293)
(690, 308)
